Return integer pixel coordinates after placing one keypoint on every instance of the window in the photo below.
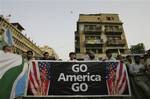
(4, 25)
(98, 27)
(99, 50)
(98, 37)
(90, 27)
(110, 18)
(77, 50)
(98, 18)
(77, 39)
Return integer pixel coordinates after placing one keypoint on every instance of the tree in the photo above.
(138, 49)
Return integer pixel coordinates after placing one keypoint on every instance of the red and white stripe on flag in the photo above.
(38, 83)
(117, 82)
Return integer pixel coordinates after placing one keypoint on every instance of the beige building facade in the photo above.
(98, 33)
(21, 44)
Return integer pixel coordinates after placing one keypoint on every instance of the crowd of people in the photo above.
(138, 66)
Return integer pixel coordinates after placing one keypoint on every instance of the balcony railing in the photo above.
(92, 33)
(92, 30)
(94, 41)
(113, 31)
(116, 42)
(77, 45)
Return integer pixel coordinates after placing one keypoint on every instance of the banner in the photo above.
(49, 78)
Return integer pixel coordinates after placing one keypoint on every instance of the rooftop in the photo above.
(18, 26)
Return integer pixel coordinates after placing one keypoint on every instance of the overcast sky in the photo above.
(53, 22)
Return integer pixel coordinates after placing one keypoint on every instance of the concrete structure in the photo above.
(21, 43)
(99, 32)
(50, 50)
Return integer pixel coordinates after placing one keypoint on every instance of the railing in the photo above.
(113, 31)
(94, 41)
(92, 30)
(116, 42)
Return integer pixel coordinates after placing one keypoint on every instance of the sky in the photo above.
(53, 22)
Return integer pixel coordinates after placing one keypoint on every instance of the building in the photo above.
(21, 43)
(50, 50)
(98, 33)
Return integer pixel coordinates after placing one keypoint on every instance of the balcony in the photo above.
(93, 43)
(100, 41)
(95, 50)
(116, 42)
(77, 45)
(92, 30)
(113, 31)
(76, 34)
(92, 33)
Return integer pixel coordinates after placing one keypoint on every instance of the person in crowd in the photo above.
(7, 49)
(128, 62)
(24, 55)
(147, 61)
(72, 56)
(137, 71)
(46, 56)
(148, 58)
(109, 56)
(90, 56)
(120, 58)
(30, 55)
(128, 59)
(143, 60)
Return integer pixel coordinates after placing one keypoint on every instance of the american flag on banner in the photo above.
(39, 78)
(116, 78)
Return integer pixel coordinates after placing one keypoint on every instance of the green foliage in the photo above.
(138, 49)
